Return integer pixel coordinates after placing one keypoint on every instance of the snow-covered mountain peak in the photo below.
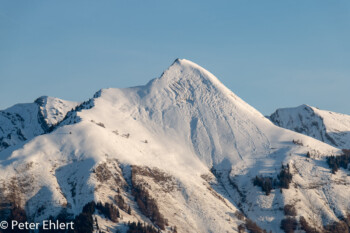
(189, 106)
(41, 100)
(185, 81)
(305, 106)
(330, 127)
(185, 70)
(22, 122)
(54, 109)
(186, 139)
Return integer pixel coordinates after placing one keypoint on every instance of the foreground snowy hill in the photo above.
(329, 127)
(25, 121)
(182, 152)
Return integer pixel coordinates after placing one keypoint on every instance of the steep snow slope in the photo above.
(195, 146)
(329, 127)
(25, 121)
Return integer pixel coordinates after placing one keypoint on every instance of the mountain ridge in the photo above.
(22, 122)
(192, 144)
(330, 127)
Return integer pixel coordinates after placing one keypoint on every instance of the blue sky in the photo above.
(271, 53)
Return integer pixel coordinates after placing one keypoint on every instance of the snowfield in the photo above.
(202, 144)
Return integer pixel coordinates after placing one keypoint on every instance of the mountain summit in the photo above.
(22, 122)
(330, 127)
(182, 152)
